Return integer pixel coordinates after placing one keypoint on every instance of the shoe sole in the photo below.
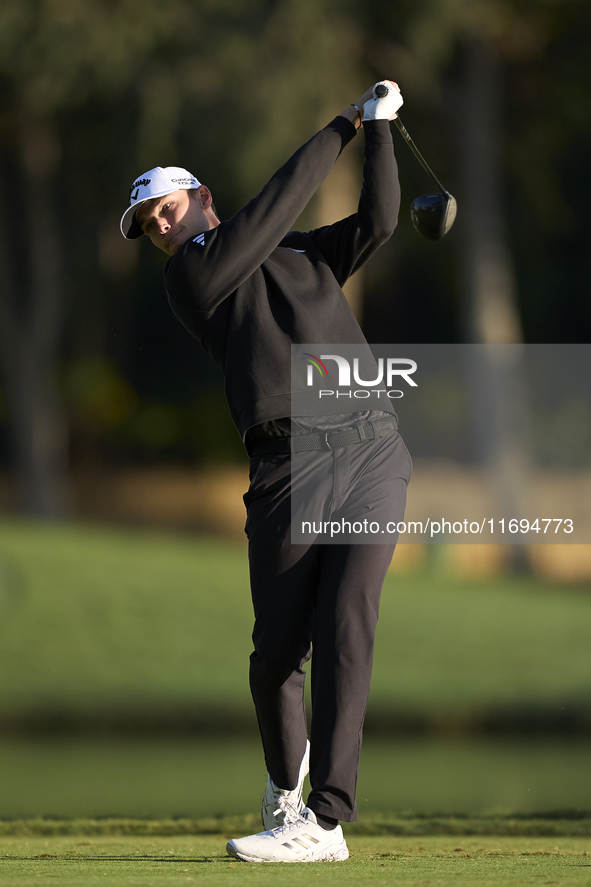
(336, 854)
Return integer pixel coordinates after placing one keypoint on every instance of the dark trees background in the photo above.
(96, 372)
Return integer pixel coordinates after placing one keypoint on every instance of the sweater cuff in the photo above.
(377, 132)
(341, 129)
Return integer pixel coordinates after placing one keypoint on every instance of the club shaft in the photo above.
(418, 155)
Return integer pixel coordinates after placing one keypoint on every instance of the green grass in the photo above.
(181, 860)
(196, 779)
(574, 825)
(93, 618)
(101, 617)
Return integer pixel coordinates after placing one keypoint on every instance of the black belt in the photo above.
(323, 440)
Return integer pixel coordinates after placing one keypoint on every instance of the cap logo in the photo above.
(136, 185)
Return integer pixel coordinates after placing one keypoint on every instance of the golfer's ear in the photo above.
(205, 196)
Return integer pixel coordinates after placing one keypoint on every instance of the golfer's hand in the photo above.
(384, 108)
(356, 117)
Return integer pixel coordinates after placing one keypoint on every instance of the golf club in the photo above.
(431, 214)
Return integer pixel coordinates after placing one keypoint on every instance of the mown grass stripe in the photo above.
(566, 824)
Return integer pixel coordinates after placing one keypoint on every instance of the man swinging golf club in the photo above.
(246, 289)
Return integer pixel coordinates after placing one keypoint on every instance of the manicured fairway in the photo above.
(151, 862)
(115, 628)
(129, 622)
(184, 777)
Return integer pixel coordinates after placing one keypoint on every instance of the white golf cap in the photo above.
(155, 183)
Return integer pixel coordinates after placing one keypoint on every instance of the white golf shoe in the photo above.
(299, 839)
(278, 801)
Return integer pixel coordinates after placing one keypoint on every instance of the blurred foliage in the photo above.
(97, 394)
(229, 89)
(107, 417)
(563, 435)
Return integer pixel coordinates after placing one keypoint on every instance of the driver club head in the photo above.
(433, 214)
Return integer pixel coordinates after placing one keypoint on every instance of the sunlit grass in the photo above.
(94, 618)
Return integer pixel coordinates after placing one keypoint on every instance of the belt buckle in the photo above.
(324, 439)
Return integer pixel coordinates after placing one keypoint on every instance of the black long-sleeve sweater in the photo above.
(249, 288)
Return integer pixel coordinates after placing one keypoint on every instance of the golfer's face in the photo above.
(171, 220)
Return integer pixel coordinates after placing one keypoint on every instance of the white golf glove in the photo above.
(383, 108)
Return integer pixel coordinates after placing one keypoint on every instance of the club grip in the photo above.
(381, 91)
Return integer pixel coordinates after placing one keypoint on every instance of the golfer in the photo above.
(247, 289)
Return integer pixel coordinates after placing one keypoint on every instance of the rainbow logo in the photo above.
(315, 362)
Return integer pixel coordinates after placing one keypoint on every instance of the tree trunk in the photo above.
(31, 308)
(499, 404)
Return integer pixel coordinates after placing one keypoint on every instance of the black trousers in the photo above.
(322, 598)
